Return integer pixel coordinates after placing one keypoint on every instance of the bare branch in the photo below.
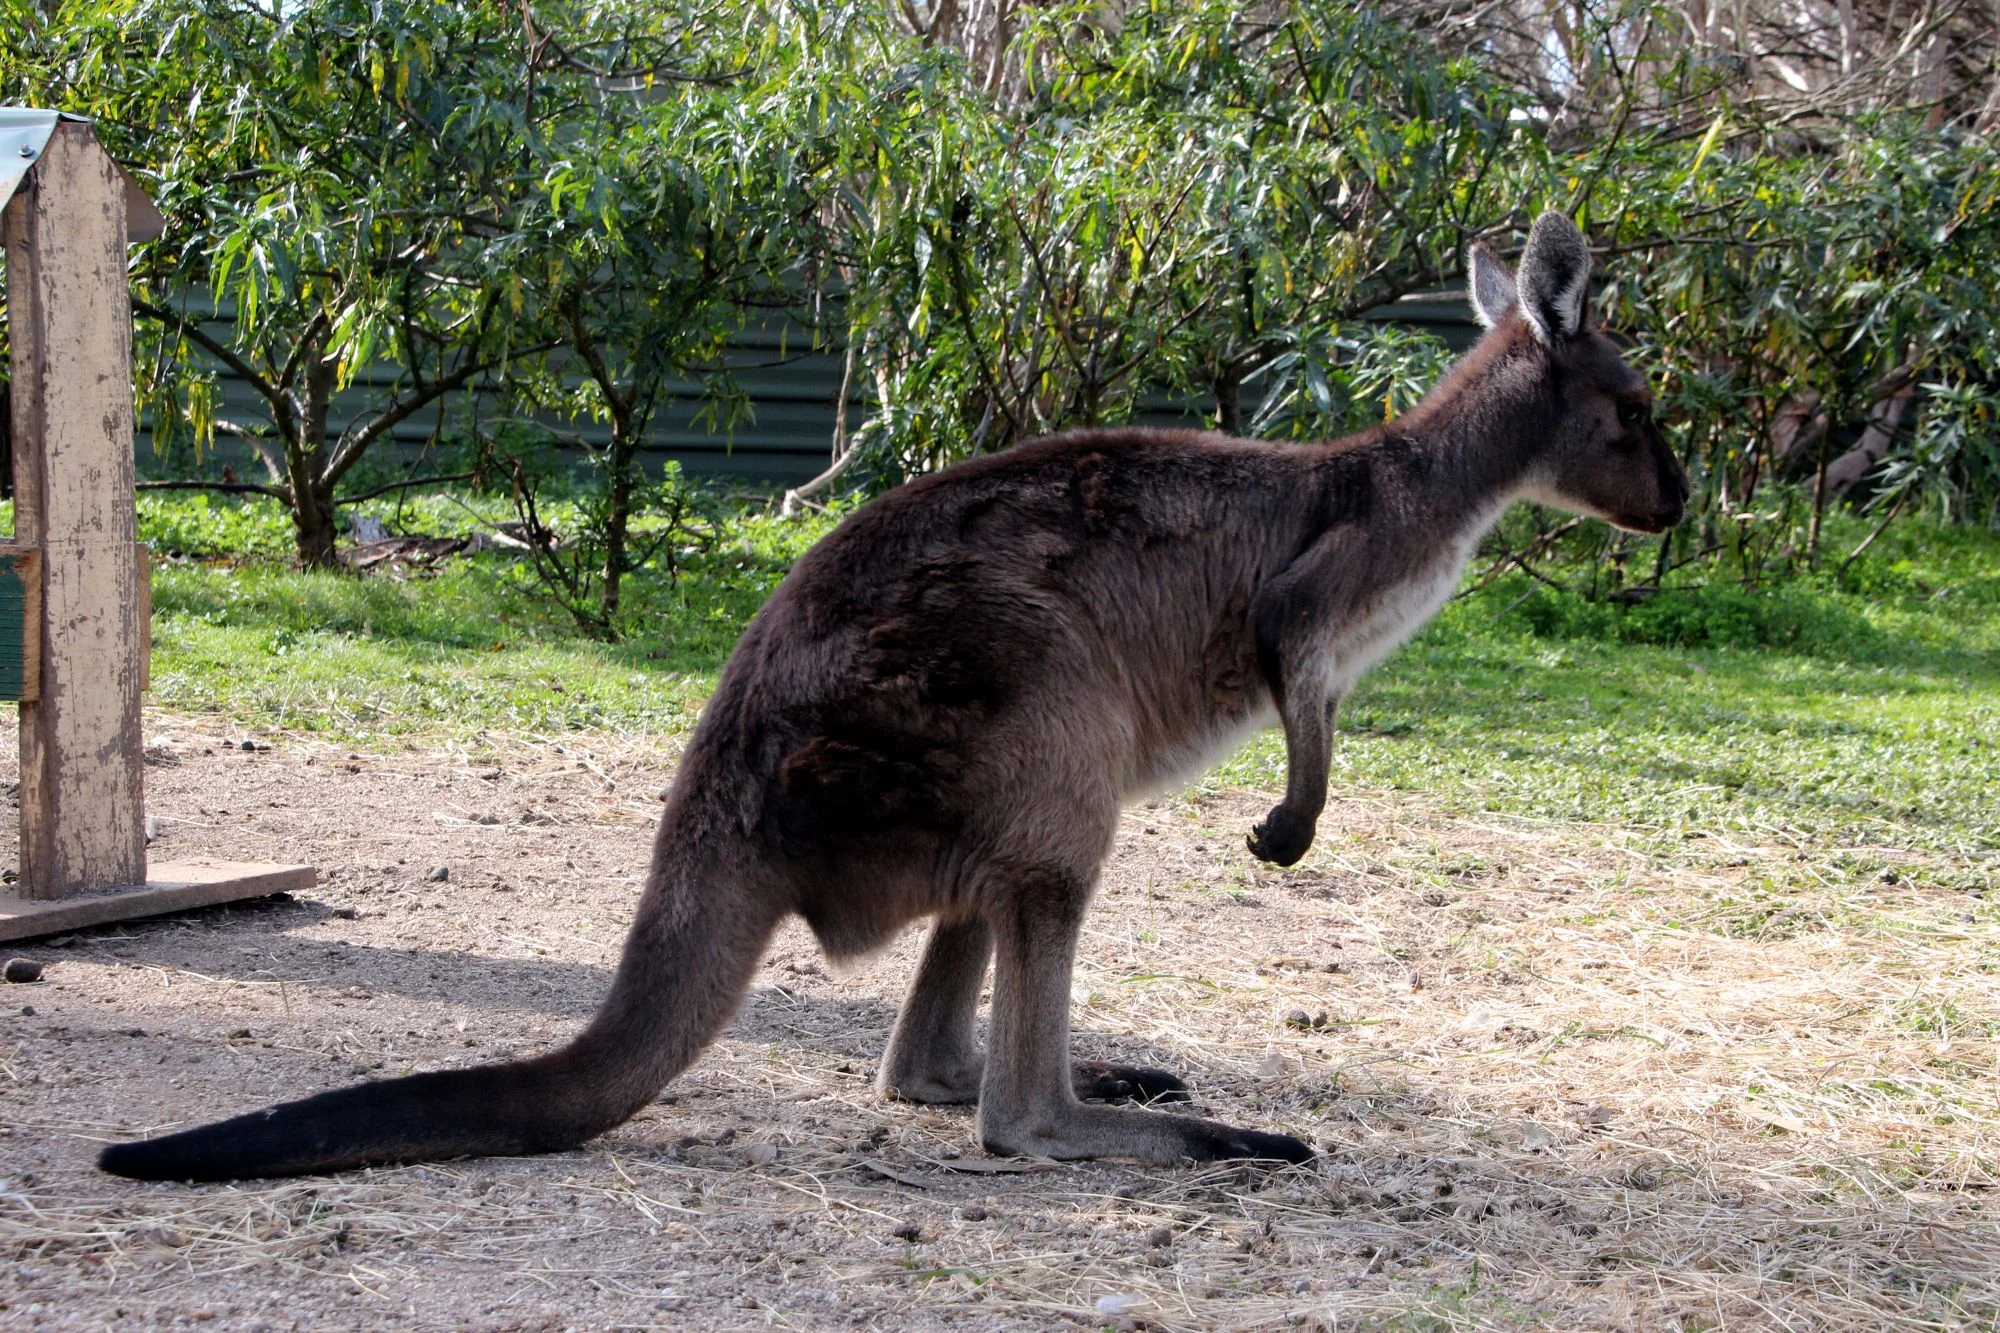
(408, 484)
(227, 487)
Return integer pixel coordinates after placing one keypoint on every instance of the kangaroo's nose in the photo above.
(1677, 479)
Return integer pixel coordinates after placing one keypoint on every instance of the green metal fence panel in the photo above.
(791, 391)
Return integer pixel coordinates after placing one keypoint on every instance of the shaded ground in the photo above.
(1564, 1074)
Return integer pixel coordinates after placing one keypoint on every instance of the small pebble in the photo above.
(439, 874)
(974, 1214)
(22, 970)
(347, 913)
(27, 1011)
(1160, 1237)
(910, 1232)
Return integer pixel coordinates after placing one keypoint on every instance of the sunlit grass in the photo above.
(1869, 710)
(1487, 715)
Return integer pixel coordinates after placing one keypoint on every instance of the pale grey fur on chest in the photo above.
(1397, 612)
(1351, 648)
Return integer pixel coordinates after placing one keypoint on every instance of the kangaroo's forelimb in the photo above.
(1293, 617)
(1286, 834)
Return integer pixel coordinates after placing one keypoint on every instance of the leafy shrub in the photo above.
(193, 523)
(1792, 617)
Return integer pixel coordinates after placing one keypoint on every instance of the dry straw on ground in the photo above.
(1565, 1076)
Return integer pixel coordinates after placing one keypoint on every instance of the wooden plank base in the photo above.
(173, 886)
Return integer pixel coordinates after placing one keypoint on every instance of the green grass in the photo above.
(1866, 710)
(473, 647)
(1869, 711)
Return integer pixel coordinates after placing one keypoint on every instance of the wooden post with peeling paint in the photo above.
(83, 820)
(85, 632)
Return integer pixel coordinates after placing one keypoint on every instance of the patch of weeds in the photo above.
(469, 648)
(1761, 916)
(1930, 1015)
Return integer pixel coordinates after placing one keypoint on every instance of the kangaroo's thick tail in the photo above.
(694, 945)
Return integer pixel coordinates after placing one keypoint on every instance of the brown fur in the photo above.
(940, 710)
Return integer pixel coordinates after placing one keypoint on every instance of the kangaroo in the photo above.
(941, 708)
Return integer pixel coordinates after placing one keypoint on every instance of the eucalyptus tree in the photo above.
(1820, 324)
(674, 209)
(1201, 196)
(1198, 198)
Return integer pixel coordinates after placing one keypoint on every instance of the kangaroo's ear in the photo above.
(1554, 279)
(1490, 283)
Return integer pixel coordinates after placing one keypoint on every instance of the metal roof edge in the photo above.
(25, 132)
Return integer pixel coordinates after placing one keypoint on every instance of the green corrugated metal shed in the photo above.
(792, 391)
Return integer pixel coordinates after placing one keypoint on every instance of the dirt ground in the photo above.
(1559, 1077)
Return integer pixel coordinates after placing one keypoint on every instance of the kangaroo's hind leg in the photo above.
(934, 1053)
(1027, 1101)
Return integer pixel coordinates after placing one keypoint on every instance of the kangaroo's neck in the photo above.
(1471, 446)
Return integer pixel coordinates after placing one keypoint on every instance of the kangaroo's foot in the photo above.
(934, 1056)
(955, 1082)
(1126, 1083)
(1028, 1102)
(1072, 1132)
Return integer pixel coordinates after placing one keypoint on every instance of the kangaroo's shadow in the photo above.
(254, 942)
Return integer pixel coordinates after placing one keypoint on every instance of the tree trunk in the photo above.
(617, 518)
(1229, 402)
(305, 465)
(1885, 420)
(313, 527)
(1796, 428)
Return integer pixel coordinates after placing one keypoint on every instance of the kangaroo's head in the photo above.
(1602, 454)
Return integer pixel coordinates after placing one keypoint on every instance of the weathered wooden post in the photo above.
(78, 660)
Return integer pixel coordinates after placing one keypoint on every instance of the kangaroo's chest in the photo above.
(1383, 621)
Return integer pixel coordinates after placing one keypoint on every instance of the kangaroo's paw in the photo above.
(1127, 1083)
(1282, 838)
